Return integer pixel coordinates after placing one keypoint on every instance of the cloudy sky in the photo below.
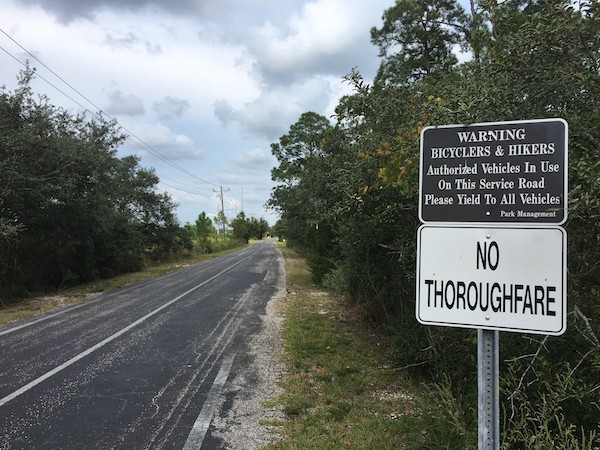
(205, 85)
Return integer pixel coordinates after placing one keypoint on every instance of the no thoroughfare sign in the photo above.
(495, 278)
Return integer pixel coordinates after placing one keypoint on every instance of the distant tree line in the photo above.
(240, 230)
(70, 209)
(246, 228)
(347, 194)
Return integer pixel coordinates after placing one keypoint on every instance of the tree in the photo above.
(259, 228)
(241, 227)
(295, 149)
(70, 209)
(222, 221)
(308, 167)
(203, 227)
(245, 229)
(545, 62)
(278, 230)
(417, 39)
(201, 232)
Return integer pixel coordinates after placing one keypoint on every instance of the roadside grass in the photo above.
(19, 309)
(342, 390)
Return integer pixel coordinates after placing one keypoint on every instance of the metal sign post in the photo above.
(488, 405)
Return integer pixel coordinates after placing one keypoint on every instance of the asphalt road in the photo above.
(143, 367)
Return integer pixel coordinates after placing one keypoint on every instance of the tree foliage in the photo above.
(202, 232)
(203, 227)
(417, 38)
(310, 159)
(249, 228)
(222, 221)
(70, 209)
(351, 201)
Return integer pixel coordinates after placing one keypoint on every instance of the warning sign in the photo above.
(500, 172)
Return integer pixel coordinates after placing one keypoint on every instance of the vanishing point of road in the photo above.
(142, 367)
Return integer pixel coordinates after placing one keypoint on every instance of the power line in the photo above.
(51, 71)
(137, 140)
(144, 146)
(139, 143)
(47, 81)
(183, 184)
(185, 190)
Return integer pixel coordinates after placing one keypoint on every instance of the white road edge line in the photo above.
(200, 427)
(31, 384)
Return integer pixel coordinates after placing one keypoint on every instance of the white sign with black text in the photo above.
(492, 277)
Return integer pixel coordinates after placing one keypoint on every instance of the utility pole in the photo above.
(220, 194)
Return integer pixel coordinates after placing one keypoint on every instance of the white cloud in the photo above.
(300, 64)
(132, 42)
(270, 115)
(167, 143)
(257, 158)
(180, 196)
(170, 107)
(186, 68)
(125, 104)
(327, 37)
(67, 11)
(225, 76)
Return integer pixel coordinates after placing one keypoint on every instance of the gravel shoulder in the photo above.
(241, 423)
